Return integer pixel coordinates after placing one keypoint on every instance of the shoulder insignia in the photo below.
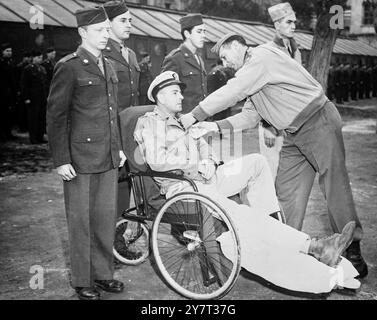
(68, 57)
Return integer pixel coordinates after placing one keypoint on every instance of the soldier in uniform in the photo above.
(354, 78)
(271, 139)
(49, 64)
(145, 78)
(123, 58)
(34, 92)
(361, 81)
(338, 79)
(374, 80)
(84, 137)
(127, 69)
(8, 91)
(368, 81)
(346, 81)
(186, 61)
(21, 107)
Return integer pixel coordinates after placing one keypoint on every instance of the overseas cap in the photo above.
(227, 38)
(115, 8)
(90, 15)
(280, 11)
(191, 20)
(163, 80)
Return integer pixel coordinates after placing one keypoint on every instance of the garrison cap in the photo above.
(226, 38)
(90, 15)
(280, 11)
(191, 20)
(115, 8)
(163, 80)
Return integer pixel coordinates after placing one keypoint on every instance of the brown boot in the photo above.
(328, 250)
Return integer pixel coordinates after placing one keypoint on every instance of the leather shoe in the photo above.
(87, 293)
(114, 286)
(328, 250)
(353, 254)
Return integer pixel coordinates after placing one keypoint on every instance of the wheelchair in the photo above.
(182, 232)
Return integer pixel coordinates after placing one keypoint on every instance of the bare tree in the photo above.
(324, 40)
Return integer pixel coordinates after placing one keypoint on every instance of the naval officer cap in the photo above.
(191, 20)
(280, 11)
(115, 8)
(90, 15)
(163, 80)
(229, 37)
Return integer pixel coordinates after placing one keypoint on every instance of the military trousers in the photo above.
(317, 147)
(90, 202)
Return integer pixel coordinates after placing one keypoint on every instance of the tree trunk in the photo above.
(323, 42)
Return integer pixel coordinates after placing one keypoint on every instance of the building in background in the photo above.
(362, 20)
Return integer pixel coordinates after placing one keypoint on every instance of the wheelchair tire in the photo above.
(131, 243)
(194, 265)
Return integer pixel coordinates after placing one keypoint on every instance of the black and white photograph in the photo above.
(171, 152)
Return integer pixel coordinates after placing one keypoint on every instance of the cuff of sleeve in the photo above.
(60, 162)
(224, 125)
(199, 113)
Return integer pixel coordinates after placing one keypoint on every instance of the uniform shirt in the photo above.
(186, 65)
(279, 43)
(165, 146)
(82, 115)
(34, 83)
(127, 72)
(278, 89)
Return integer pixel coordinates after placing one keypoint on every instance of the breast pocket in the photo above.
(90, 90)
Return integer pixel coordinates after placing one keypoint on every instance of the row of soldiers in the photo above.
(24, 89)
(25, 86)
(352, 82)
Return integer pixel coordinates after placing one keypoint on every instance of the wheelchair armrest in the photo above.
(176, 174)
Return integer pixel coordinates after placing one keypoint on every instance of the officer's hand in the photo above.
(66, 172)
(187, 120)
(269, 138)
(123, 158)
(209, 126)
(207, 168)
(27, 101)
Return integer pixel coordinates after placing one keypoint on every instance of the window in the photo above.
(369, 7)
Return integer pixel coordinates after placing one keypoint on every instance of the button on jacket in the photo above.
(82, 121)
(166, 145)
(193, 74)
(128, 74)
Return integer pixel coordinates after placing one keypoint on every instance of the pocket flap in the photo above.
(88, 82)
(88, 137)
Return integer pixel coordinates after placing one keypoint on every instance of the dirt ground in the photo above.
(33, 231)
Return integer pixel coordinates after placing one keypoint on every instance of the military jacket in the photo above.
(82, 114)
(166, 145)
(193, 74)
(128, 74)
(33, 83)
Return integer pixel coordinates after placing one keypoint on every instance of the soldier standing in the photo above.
(330, 83)
(21, 107)
(145, 78)
(186, 61)
(346, 81)
(8, 91)
(128, 72)
(83, 131)
(354, 81)
(34, 93)
(338, 79)
(271, 139)
(49, 64)
(374, 80)
(361, 82)
(123, 58)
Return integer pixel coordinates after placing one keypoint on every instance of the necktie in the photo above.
(100, 65)
(124, 52)
(198, 59)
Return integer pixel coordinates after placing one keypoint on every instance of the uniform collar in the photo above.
(279, 41)
(170, 120)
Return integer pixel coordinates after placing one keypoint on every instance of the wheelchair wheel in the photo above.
(131, 243)
(191, 258)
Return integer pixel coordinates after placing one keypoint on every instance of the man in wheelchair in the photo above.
(269, 248)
